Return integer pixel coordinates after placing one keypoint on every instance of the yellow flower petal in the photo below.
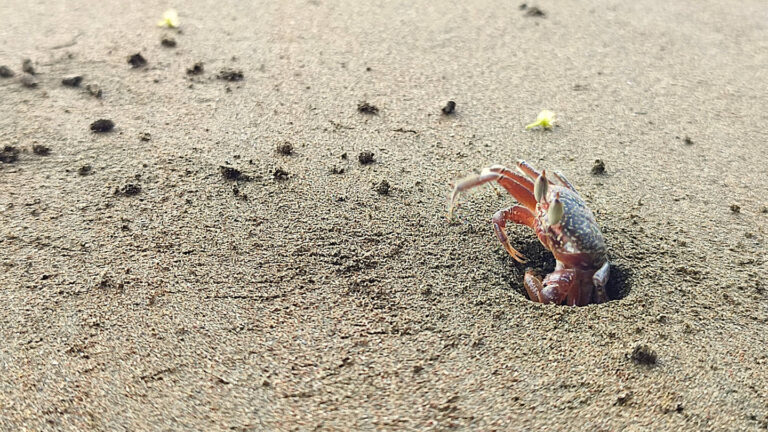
(170, 19)
(545, 119)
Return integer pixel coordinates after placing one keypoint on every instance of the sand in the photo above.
(157, 290)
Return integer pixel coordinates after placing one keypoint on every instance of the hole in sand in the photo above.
(620, 282)
(543, 263)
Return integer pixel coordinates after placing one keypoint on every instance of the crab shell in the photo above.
(575, 240)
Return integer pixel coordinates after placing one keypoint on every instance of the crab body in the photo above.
(563, 224)
(576, 240)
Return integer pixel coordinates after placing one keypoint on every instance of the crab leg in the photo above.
(517, 214)
(564, 181)
(560, 286)
(518, 191)
(532, 172)
(529, 170)
(513, 175)
(523, 195)
(538, 293)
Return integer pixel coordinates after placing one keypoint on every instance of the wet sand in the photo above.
(195, 277)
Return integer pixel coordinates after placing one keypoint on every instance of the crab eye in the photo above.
(540, 187)
(555, 213)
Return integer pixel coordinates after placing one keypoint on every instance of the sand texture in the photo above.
(223, 260)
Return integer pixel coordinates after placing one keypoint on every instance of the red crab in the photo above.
(564, 225)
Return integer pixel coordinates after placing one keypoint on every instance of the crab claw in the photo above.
(541, 186)
(555, 213)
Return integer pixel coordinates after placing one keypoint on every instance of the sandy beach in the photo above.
(260, 241)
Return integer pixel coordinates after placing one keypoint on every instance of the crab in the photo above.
(563, 224)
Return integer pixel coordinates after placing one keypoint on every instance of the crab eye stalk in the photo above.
(540, 187)
(555, 213)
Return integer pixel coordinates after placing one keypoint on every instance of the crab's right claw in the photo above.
(600, 281)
